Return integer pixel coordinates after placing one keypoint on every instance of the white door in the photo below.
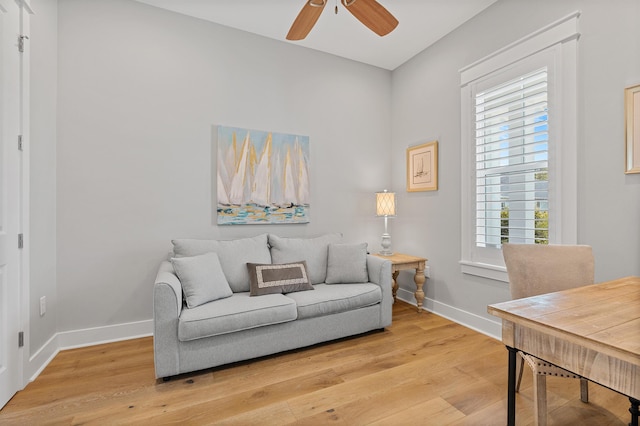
(10, 202)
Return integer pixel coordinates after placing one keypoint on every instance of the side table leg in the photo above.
(419, 279)
(394, 284)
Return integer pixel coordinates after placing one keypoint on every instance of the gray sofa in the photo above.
(210, 308)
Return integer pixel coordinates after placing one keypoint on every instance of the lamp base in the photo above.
(386, 245)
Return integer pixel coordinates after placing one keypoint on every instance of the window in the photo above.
(512, 153)
(519, 147)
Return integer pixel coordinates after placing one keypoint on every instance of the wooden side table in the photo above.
(401, 261)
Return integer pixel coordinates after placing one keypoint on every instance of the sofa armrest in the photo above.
(168, 287)
(379, 270)
(167, 306)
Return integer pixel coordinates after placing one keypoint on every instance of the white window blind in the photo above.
(512, 153)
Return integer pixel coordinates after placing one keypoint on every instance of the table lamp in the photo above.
(386, 207)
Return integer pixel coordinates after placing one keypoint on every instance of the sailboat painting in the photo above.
(263, 177)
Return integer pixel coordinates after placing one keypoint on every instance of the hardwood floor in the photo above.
(422, 370)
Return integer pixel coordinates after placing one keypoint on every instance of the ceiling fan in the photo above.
(371, 13)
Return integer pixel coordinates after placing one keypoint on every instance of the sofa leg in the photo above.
(166, 379)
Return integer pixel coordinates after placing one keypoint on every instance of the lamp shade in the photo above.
(385, 203)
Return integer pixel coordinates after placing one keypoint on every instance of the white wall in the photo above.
(43, 54)
(426, 106)
(139, 91)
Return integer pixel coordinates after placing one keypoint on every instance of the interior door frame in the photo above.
(16, 147)
(25, 125)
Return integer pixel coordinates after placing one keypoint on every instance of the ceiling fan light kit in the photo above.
(371, 13)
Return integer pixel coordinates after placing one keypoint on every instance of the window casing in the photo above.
(519, 129)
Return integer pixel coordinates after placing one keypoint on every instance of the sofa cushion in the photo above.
(347, 263)
(233, 254)
(202, 279)
(313, 250)
(235, 313)
(272, 278)
(332, 299)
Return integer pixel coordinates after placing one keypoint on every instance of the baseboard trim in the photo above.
(107, 334)
(85, 337)
(468, 319)
(43, 356)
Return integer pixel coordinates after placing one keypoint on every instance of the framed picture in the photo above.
(422, 167)
(262, 177)
(632, 129)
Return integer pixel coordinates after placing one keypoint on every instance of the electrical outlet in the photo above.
(427, 271)
(43, 305)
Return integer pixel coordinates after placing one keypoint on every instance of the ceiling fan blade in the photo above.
(372, 14)
(306, 19)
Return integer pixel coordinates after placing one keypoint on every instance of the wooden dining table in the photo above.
(592, 331)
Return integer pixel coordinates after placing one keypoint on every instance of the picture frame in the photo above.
(422, 167)
(632, 129)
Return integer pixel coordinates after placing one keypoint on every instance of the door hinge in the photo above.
(20, 241)
(20, 339)
(21, 42)
(20, 142)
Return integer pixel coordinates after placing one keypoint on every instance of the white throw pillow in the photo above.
(347, 263)
(202, 279)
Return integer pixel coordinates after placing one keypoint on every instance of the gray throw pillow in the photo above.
(278, 278)
(202, 279)
(347, 263)
(312, 250)
(234, 255)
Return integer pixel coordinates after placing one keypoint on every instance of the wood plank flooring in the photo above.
(423, 370)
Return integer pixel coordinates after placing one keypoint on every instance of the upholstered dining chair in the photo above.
(535, 269)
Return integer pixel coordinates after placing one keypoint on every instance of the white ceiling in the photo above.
(422, 22)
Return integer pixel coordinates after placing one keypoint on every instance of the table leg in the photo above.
(394, 284)
(511, 387)
(419, 279)
(635, 411)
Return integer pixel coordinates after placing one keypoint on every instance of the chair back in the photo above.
(535, 269)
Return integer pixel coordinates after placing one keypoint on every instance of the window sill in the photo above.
(498, 273)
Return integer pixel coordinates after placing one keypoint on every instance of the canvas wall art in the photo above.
(263, 177)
